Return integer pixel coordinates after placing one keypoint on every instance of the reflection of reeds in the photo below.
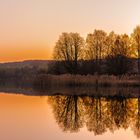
(89, 80)
(93, 91)
(80, 91)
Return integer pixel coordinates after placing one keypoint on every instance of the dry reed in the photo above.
(87, 80)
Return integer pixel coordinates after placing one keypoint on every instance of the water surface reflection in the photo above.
(89, 113)
(98, 114)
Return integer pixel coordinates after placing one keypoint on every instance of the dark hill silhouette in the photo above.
(26, 63)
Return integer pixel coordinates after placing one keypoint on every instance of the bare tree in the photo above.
(69, 48)
(122, 46)
(136, 37)
(110, 40)
(118, 61)
(95, 46)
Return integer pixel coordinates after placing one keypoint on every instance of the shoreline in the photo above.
(126, 92)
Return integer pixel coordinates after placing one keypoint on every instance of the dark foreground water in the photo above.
(28, 116)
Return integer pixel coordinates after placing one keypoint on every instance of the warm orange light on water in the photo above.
(32, 118)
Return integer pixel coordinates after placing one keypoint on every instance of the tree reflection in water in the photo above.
(68, 112)
(136, 119)
(99, 114)
(95, 114)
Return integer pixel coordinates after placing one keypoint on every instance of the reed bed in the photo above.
(47, 80)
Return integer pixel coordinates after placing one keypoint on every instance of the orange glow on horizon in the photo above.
(11, 54)
(30, 28)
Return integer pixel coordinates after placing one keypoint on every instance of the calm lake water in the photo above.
(30, 117)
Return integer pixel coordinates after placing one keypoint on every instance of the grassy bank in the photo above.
(86, 80)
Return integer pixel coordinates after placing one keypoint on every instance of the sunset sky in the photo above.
(30, 28)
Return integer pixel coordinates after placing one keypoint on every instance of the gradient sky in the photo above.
(30, 28)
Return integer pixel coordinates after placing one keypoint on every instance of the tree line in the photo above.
(99, 53)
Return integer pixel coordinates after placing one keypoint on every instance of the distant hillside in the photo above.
(27, 63)
(45, 63)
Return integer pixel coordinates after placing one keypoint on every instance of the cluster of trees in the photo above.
(76, 55)
(99, 114)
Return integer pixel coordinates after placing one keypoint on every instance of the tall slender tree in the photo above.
(136, 37)
(96, 46)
